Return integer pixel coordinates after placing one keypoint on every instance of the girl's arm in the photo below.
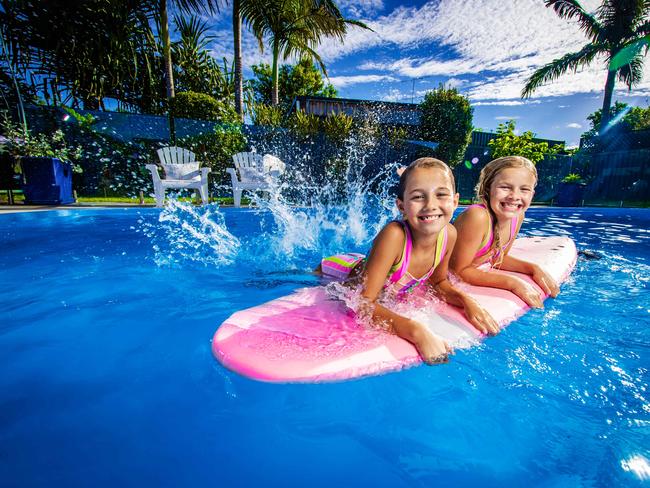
(386, 250)
(476, 315)
(541, 277)
(471, 226)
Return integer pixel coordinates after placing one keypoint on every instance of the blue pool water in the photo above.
(107, 378)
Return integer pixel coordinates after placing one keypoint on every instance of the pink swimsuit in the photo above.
(340, 265)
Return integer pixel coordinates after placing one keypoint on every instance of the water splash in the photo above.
(187, 233)
(326, 216)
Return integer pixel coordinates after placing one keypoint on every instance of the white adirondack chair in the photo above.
(254, 172)
(181, 171)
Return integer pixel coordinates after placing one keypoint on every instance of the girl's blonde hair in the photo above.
(423, 163)
(488, 174)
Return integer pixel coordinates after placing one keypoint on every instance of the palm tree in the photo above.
(187, 6)
(239, 79)
(616, 26)
(295, 27)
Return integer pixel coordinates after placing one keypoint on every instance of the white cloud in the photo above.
(359, 8)
(574, 125)
(507, 117)
(500, 43)
(394, 95)
(506, 41)
(505, 103)
(345, 81)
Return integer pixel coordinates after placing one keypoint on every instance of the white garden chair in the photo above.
(181, 171)
(254, 172)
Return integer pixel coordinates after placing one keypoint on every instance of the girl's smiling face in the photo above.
(511, 192)
(429, 200)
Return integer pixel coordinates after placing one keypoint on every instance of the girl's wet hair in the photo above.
(424, 163)
(488, 174)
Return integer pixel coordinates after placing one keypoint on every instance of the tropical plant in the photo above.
(268, 115)
(195, 68)
(294, 27)
(337, 127)
(72, 54)
(303, 78)
(572, 178)
(446, 119)
(507, 143)
(304, 125)
(200, 106)
(616, 26)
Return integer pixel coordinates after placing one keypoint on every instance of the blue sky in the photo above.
(484, 48)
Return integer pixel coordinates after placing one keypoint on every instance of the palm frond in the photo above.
(208, 6)
(570, 9)
(557, 67)
(632, 73)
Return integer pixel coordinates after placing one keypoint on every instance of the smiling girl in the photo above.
(486, 231)
(413, 252)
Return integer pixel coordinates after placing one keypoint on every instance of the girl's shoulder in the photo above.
(474, 216)
(393, 232)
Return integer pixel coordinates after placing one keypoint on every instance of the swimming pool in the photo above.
(108, 378)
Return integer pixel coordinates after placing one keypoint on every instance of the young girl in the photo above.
(413, 252)
(487, 230)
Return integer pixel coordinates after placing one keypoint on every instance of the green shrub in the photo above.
(215, 150)
(268, 115)
(23, 143)
(192, 105)
(337, 127)
(572, 178)
(397, 136)
(507, 143)
(447, 120)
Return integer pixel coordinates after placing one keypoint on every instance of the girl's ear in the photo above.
(456, 198)
(400, 205)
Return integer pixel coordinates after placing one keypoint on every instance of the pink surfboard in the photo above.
(308, 337)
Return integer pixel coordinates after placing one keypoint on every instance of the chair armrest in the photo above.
(205, 171)
(154, 171)
(233, 175)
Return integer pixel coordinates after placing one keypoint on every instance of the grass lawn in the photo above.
(99, 200)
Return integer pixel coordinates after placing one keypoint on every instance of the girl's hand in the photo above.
(527, 293)
(480, 318)
(432, 349)
(545, 282)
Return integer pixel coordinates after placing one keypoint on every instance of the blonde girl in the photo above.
(486, 231)
(413, 252)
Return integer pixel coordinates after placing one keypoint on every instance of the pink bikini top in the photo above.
(488, 239)
(401, 267)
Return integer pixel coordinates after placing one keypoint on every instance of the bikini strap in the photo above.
(406, 254)
(441, 247)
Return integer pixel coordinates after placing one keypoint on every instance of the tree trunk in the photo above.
(169, 73)
(274, 71)
(607, 100)
(239, 83)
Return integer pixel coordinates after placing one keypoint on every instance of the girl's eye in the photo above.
(418, 197)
